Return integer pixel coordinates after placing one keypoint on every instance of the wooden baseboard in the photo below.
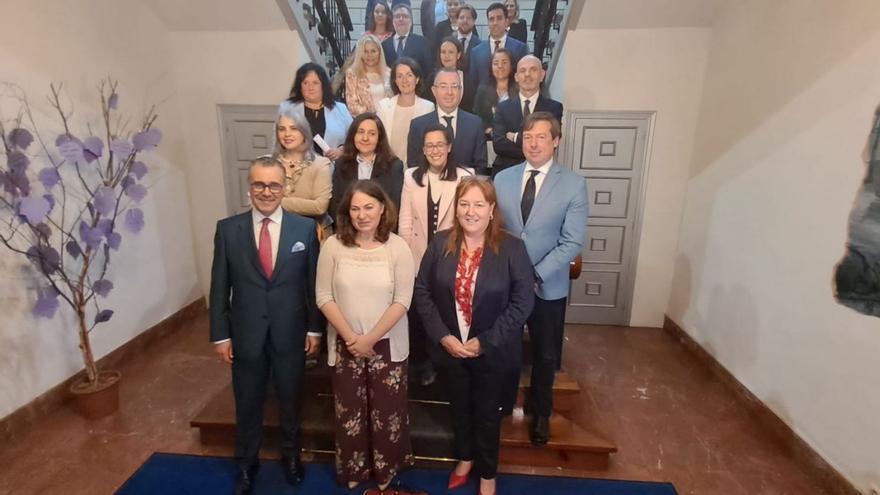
(21, 419)
(794, 445)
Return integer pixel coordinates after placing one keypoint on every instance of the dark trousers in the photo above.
(372, 423)
(546, 324)
(475, 400)
(250, 376)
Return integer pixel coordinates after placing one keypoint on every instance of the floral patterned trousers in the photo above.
(372, 424)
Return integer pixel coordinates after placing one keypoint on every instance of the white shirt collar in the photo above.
(543, 169)
(492, 41)
(441, 114)
(532, 99)
(275, 216)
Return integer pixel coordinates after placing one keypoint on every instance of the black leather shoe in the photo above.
(294, 472)
(246, 480)
(540, 431)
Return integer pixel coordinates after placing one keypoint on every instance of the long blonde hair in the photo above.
(357, 66)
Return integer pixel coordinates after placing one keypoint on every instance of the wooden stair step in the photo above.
(567, 392)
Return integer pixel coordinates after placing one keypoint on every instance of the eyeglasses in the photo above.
(435, 147)
(448, 87)
(259, 187)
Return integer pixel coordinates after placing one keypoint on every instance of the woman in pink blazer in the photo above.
(426, 207)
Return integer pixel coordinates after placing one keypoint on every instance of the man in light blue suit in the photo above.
(545, 204)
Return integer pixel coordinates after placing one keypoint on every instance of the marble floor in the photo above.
(671, 420)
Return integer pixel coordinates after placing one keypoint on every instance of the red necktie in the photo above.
(266, 248)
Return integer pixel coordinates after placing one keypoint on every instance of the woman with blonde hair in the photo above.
(368, 80)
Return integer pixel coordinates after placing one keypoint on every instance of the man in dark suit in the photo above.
(469, 143)
(405, 42)
(509, 114)
(262, 306)
(469, 38)
(545, 204)
(480, 64)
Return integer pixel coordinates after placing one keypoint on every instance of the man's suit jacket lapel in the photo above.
(546, 191)
(246, 233)
(515, 194)
(285, 244)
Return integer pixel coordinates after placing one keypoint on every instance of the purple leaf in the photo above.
(34, 209)
(134, 220)
(20, 183)
(136, 192)
(44, 230)
(47, 303)
(146, 140)
(113, 101)
(73, 249)
(91, 236)
(114, 239)
(71, 149)
(18, 162)
(102, 287)
(139, 169)
(21, 138)
(45, 257)
(103, 315)
(51, 200)
(127, 182)
(105, 200)
(93, 148)
(49, 177)
(105, 225)
(121, 147)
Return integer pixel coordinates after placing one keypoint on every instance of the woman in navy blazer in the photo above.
(474, 292)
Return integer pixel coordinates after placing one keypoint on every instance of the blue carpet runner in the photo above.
(172, 474)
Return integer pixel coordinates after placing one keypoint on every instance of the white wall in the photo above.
(211, 68)
(790, 91)
(154, 272)
(655, 69)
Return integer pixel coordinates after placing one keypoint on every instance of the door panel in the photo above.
(246, 133)
(610, 150)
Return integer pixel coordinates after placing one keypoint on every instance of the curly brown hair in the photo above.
(345, 230)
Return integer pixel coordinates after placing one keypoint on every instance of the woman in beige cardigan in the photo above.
(426, 207)
(308, 187)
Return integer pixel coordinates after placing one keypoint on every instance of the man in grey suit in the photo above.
(545, 204)
(262, 306)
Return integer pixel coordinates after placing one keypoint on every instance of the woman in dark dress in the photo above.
(366, 154)
(516, 27)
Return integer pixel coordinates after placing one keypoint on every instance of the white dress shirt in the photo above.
(365, 168)
(543, 170)
(503, 41)
(453, 114)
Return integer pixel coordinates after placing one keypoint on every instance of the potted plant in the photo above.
(64, 206)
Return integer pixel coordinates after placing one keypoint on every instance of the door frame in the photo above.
(226, 114)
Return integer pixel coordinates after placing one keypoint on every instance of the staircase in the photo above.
(329, 29)
(571, 445)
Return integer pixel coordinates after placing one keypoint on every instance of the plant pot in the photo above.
(95, 402)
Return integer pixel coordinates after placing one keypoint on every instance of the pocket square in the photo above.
(299, 246)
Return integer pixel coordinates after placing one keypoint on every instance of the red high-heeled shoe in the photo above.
(456, 481)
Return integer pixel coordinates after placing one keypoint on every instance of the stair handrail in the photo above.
(324, 29)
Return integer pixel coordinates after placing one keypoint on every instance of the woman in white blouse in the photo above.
(397, 112)
(368, 80)
(364, 287)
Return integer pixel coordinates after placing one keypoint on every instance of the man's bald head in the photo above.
(529, 74)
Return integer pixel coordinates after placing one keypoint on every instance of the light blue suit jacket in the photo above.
(557, 227)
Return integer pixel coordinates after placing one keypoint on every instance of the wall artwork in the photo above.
(857, 277)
